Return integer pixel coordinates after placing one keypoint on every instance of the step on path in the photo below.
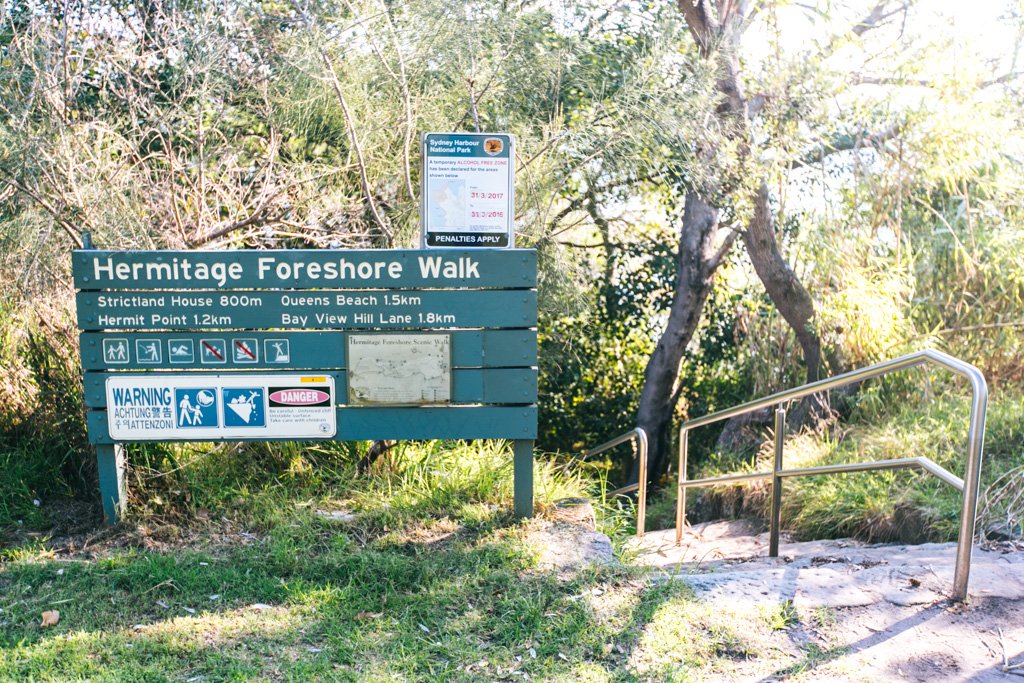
(893, 616)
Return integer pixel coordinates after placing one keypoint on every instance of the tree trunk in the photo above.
(781, 283)
(697, 261)
(716, 29)
(788, 295)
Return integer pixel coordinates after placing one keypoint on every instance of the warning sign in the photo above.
(244, 407)
(197, 408)
(207, 407)
(466, 190)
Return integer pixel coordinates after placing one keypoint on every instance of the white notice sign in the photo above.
(467, 190)
(399, 368)
(209, 407)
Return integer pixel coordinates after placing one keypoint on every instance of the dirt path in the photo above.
(880, 612)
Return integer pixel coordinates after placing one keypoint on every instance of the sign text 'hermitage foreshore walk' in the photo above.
(300, 344)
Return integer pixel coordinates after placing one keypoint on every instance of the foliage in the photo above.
(593, 364)
(44, 451)
(895, 195)
(886, 506)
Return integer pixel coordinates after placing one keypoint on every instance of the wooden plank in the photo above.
(362, 424)
(286, 350)
(304, 269)
(469, 385)
(324, 309)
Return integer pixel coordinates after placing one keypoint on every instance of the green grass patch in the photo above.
(885, 506)
(239, 573)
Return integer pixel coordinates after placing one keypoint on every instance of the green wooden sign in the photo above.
(284, 345)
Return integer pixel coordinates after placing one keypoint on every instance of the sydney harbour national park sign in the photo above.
(300, 344)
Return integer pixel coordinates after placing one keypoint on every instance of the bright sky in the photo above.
(976, 29)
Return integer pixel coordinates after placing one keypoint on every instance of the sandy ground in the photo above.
(889, 616)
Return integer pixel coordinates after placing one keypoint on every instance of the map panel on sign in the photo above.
(399, 369)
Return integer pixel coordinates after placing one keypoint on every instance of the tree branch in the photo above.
(845, 144)
(872, 20)
(702, 23)
(860, 79)
(357, 148)
(38, 199)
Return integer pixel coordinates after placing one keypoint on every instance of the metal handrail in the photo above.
(640, 437)
(968, 486)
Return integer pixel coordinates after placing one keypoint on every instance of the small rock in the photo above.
(339, 516)
(1004, 531)
(574, 510)
(569, 547)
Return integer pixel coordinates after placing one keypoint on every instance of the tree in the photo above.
(717, 29)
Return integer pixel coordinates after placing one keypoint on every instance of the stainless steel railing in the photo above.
(968, 485)
(639, 437)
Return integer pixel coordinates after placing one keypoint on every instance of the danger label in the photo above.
(298, 396)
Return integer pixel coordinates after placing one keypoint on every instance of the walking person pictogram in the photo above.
(185, 411)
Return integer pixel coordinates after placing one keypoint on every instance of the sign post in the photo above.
(307, 345)
(467, 190)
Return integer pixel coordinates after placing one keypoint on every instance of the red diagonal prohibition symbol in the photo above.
(245, 349)
(213, 351)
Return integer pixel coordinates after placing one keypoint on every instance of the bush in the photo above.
(44, 448)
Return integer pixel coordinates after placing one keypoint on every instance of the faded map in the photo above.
(399, 368)
(448, 208)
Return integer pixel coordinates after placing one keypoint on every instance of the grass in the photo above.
(885, 506)
(229, 570)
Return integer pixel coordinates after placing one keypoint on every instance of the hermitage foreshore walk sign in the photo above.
(307, 344)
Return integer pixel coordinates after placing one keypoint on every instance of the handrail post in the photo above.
(972, 482)
(776, 516)
(641, 502)
(684, 439)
